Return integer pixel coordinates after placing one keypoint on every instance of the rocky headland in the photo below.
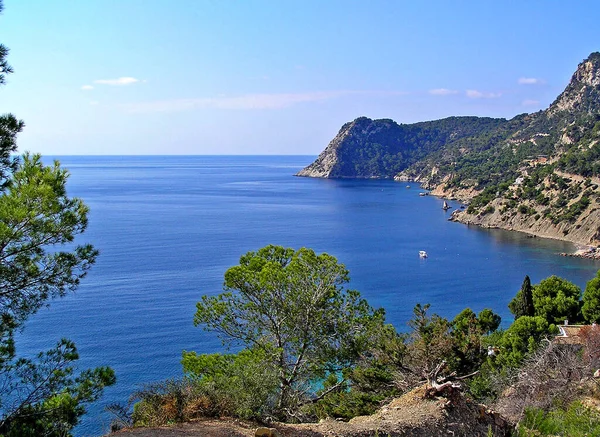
(536, 173)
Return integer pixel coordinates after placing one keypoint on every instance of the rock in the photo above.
(266, 432)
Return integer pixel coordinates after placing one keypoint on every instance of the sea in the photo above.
(168, 227)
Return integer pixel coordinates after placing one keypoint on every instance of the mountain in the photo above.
(536, 173)
(366, 148)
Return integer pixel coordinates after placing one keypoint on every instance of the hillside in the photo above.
(538, 173)
(412, 414)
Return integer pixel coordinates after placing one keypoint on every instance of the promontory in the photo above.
(537, 173)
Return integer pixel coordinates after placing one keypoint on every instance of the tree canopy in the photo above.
(556, 300)
(39, 261)
(591, 300)
(291, 305)
(522, 303)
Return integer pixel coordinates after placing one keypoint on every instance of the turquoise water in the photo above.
(169, 227)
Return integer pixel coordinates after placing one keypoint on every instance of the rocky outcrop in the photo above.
(326, 165)
(585, 230)
(474, 159)
(583, 92)
(368, 149)
(413, 414)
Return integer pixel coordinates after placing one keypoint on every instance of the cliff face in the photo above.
(538, 173)
(366, 148)
(583, 92)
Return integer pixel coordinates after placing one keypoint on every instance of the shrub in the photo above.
(576, 421)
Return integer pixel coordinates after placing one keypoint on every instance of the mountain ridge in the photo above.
(536, 173)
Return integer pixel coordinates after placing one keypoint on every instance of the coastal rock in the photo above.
(381, 149)
(462, 157)
(344, 157)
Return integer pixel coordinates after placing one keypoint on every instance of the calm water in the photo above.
(169, 227)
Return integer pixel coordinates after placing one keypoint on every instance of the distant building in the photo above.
(569, 334)
(519, 180)
(575, 334)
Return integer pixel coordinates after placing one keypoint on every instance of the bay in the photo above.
(169, 226)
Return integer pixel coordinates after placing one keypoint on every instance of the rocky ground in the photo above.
(409, 415)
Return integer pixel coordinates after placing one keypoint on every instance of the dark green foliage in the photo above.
(372, 381)
(488, 321)
(556, 300)
(591, 300)
(467, 333)
(39, 261)
(522, 338)
(44, 396)
(293, 307)
(522, 303)
(244, 382)
(382, 148)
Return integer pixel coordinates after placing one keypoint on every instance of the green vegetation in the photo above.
(576, 421)
(39, 262)
(557, 300)
(383, 148)
(487, 156)
(291, 314)
(522, 303)
(591, 300)
(308, 348)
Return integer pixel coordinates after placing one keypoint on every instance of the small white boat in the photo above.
(446, 207)
(422, 254)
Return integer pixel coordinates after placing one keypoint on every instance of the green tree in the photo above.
(522, 338)
(39, 262)
(556, 300)
(429, 342)
(522, 303)
(489, 321)
(240, 383)
(292, 306)
(467, 333)
(591, 300)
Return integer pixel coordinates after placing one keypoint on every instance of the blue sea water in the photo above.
(169, 226)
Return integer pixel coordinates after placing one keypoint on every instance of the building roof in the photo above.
(569, 334)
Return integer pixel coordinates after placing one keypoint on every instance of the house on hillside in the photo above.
(569, 334)
(576, 334)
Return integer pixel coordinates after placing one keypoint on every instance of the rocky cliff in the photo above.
(537, 173)
(366, 148)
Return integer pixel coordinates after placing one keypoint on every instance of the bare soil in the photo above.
(409, 415)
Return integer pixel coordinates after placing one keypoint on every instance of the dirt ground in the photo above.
(409, 415)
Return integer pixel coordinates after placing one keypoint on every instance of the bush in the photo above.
(576, 421)
(241, 384)
(172, 401)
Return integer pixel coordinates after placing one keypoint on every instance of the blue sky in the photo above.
(277, 76)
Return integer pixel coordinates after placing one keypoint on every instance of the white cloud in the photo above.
(246, 101)
(530, 102)
(87, 87)
(529, 81)
(117, 82)
(474, 94)
(442, 92)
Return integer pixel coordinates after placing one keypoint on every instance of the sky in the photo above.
(193, 77)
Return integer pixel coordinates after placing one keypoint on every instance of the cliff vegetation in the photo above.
(538, 173)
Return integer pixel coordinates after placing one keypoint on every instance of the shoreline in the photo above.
(581, 250)
(589, 252)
